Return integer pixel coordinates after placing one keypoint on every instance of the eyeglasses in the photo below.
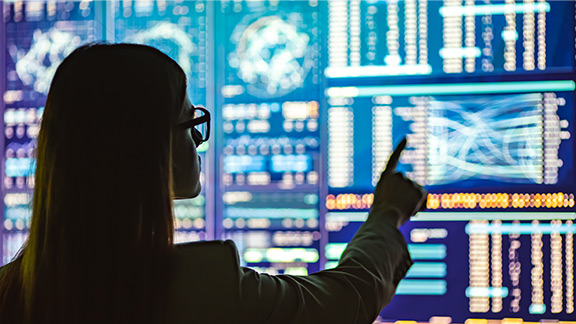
(199, 125)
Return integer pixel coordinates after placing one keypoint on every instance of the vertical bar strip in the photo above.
(556, 269)
(393, 34)
(381, 139)
(354, 32)
(529, 31)
(340, 147)
(569, 257)
(479, 253)
(423, 32)
(537, 273)
(338, 33)
(542, 38)
(410, 32)
(470, 38)
(510, 35)
(496, 266)
(452, 35)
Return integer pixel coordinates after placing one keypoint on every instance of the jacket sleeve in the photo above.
(354, 292)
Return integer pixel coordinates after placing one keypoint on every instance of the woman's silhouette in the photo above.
(117, 144)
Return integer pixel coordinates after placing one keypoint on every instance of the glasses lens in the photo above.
(201, 130)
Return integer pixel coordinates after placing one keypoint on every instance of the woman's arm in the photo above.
(364, 281)
(353, 292)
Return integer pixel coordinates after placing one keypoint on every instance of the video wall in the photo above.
(308, 100)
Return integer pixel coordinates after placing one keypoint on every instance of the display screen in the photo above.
(452, 37)
(269, 145)
(484, 93)
(308, 100)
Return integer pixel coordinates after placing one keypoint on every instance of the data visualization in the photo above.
(484, 135)
(511, 265)
(484, 93)
(270, 136)
(272, 48)
(499, 138)
(420, 37)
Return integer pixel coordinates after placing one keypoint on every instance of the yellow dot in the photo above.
(537, 203)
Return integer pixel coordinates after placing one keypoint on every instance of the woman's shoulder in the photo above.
(223, 244)
(209, 259)
(217, 251)
(205, 276)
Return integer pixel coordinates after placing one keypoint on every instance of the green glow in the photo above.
(296, 271)
(427, 251)
(537, 309)
(501, 292)
(495, 9)
(203, 147)
(450, 89)
(271, 213)
(346, 216)
(331, 264)
(519, 229)
(334, 250)
(422, 287)
(427, 270)
(281, 255)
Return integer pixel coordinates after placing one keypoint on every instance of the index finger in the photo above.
(393, 161)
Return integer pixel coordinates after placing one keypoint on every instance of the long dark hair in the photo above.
(102, 223)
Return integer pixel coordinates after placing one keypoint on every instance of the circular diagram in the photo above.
(271, 56)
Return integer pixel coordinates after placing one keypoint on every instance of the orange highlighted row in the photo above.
(499, 200)
(349, 201)
(462, 201)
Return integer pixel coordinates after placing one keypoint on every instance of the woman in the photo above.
(115, 148)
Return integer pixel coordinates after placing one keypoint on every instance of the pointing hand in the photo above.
(395, 190)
